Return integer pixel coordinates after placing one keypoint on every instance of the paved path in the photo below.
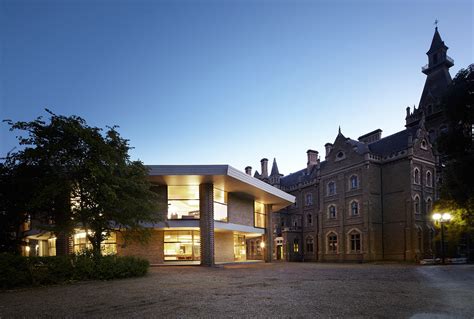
(296, 290)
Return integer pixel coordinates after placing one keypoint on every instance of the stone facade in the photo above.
(371, 198)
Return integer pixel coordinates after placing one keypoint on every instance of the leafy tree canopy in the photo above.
(79, 176)
(456, 145)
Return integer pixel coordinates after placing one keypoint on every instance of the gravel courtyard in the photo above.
(294, 290)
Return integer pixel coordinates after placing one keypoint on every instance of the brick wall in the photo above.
(152, 251)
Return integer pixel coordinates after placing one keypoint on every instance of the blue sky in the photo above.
(210, 82)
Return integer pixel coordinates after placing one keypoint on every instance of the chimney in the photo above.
(248, 170)
(328, 148)
(371, 137)
(312, 159)
(264, 162)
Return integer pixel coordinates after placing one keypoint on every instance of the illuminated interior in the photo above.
(81, 243)
(183, 203)
(182, 245)
(259, 215)
(239, 248)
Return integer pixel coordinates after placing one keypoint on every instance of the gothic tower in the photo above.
(436, 84)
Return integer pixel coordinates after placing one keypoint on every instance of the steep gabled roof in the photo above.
(436, 43)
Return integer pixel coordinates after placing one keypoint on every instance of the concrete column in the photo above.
(268, 234)
(206, 223)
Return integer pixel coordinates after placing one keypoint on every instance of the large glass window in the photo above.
(181, 245)
(81, 243)
(183, 202)
(220, 205)
(259, 215)
(239, 248)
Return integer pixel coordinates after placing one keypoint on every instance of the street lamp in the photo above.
(442, 218)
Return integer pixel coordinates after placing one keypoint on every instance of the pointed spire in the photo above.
(436, 43)
(339, 133)
(274, 171)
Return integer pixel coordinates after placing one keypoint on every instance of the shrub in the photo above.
(18, 271)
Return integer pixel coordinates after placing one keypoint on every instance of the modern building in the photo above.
(207, 213)
(370, 198)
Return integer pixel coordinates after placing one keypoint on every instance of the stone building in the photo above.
(370, 198)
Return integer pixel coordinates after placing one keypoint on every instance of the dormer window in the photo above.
(340, 156)
(424, 144)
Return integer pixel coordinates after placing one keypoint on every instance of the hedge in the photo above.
(18, 271)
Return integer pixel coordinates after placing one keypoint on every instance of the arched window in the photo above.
(354, 208)
(416, 203)
(296, 245)
(416, 175)
(355, 241)
(331, 188)
(309, 244)
(429, 205)
(354, 182)
(309, 219)
(332, 211)
(332, 242)
(429, 179)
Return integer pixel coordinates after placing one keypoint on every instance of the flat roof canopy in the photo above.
(224, 177)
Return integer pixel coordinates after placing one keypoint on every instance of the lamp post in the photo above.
(442, 218)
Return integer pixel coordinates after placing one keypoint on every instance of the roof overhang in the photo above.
(224, 177)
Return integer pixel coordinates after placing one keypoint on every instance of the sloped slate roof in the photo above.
(393, 143)
(295, 178)
(436, 43)
(360, 147)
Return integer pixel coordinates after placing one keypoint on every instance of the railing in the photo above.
(427, 66)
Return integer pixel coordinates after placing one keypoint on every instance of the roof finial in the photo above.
(436, 24)
(339, 129)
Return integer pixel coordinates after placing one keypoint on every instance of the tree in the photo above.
(457, 155)
(82, 178)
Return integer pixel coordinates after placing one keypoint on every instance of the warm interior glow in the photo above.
(437, 216)
(262, 244)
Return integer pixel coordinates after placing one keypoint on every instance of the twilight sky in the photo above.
(224, 82)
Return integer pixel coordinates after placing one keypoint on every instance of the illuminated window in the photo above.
(220, 205)
(259, 215)
(296, 245)
(52, 246)
(354, 241)
(183, 202)
(332, 212)
(182, 245)
(354, 208)
(81, 243)
(239, 248)
(332, 243)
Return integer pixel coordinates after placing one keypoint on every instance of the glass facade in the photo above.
(239, 248)
(182, 245)
(183, 203)
(259, 215)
